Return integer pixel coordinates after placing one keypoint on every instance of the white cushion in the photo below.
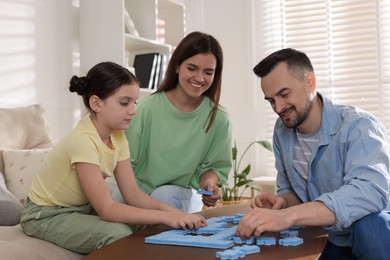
(20, 166)
(23, 128)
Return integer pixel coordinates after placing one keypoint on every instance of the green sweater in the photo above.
(168, 146)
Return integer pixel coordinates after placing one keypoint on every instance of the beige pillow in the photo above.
(23, 128)
(20, 167)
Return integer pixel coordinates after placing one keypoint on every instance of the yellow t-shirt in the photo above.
(57, 182)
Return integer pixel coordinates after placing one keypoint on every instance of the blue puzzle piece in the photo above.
(239, 215)
(204, 192)
(267, 241)
(290, 241)
(288, 233)
(230, 254)
(250, 241)
(248, 249)
(238, 240)
(238, 252)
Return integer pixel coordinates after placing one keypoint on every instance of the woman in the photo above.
(180, 139)
(69, 203)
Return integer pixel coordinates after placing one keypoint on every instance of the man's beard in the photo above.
(300, 117)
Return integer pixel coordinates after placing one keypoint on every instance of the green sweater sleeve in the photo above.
(219, 153)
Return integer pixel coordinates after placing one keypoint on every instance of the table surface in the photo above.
(134, 247)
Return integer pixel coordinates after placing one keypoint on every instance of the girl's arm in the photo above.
(130, 191)
(99, 195)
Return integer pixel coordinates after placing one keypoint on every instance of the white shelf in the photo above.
(103, 36)
(138, 45)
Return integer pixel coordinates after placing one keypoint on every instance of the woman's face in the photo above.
(196, 74)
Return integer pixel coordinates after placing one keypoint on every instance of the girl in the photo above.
(69, 202)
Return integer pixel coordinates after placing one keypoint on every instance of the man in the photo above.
(332, 162)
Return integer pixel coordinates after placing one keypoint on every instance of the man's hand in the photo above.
(259, 220)
(268, 201)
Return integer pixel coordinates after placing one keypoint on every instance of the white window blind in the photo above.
(17, 57)
(348, 42)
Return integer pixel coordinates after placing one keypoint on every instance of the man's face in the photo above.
(289, 97)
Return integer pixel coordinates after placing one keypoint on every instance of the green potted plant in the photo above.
(240, 177)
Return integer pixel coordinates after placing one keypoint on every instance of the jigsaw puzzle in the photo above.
(219, 234)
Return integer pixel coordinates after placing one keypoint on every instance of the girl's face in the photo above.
(196, 74)
(117, 110)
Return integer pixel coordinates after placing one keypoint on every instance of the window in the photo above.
(17, 57)
(348, 43)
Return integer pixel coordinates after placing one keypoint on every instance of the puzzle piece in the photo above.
(204, 192)
(238, 240)
(267, 241)
(237, 252)
(230, 254)
(248, 249)
(249, 241)
(290, 241)
(288, 233)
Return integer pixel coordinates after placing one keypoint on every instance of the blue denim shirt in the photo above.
(348, 169)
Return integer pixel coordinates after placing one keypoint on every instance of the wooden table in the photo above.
(134, 247)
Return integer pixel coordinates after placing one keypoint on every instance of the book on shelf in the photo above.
(156, 79)
(149, 69)
(145, 66)
(163, 67)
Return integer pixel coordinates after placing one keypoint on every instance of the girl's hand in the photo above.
(185, 221)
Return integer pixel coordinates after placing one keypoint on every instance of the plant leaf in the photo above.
(267, 145)
(247, 169)
(243, 182)
(234, 151)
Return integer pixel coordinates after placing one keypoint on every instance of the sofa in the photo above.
(24, 142)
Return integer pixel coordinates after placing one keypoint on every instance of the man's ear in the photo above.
(311, 80)
(94, 103)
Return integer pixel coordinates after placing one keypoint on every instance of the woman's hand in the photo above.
(208, 181)
(211, 200)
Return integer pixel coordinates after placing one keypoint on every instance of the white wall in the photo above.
(56, 52)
